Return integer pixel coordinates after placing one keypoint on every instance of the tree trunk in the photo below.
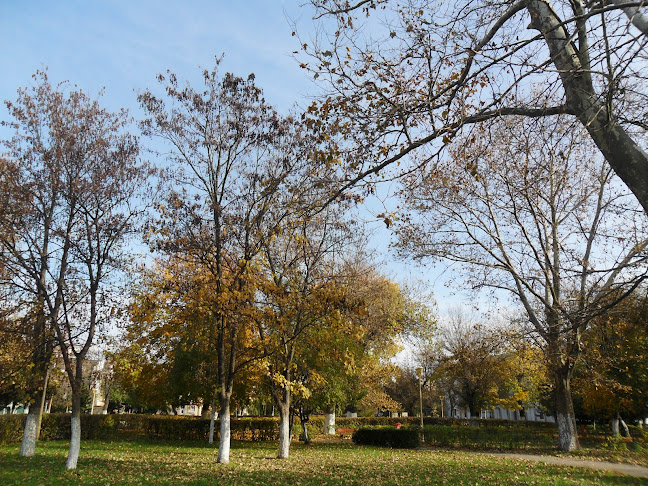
(225, 431)
(304, 436)
(106, 404)
(284, 431)
(626, 431)
(567, 432)
(212, 420)
(28, 444)
(304, 417)
(615, 426)
(329, 422)
(625, 156)
(75, 437)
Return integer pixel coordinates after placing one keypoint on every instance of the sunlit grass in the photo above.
(168, 463)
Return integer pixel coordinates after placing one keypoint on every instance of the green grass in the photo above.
(171, 463)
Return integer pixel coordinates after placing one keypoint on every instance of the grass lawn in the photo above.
(321, 463)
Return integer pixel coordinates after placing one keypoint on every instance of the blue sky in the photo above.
(121, 45)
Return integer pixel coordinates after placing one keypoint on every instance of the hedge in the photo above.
(446, 432)
(398, 438)
(488, 437)
(358, 422)
(166, 427)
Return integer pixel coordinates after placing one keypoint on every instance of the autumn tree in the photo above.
(534, 213)
(403, 75)
(385, 316)
(612, 381)
(232, 157)
(33, 255)
(481, 365)
(299, 296)
(471, 364)
(15, 357)
(74, 171)
(93, 170)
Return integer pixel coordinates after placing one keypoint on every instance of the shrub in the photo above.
(11, 427)
(403, 438)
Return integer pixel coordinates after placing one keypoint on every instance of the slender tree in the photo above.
(300, 296)
(75, 172)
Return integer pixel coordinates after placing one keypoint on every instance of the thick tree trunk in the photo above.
(28, 444)
(75, 437)
(225, 431)
(567, 432)
(627, 158)
(284, 431)
(329, 422)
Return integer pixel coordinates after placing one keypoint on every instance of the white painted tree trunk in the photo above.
(626, 431)
(225, 435)
(28, 444)
(284, 433)
(305, 437)
(329, 423)
(75, 439)
(565, 418)
(615, 426)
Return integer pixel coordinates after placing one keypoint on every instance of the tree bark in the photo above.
(567, 431)
(75, 426)
(638, 19)
(626, 431)
(304, 436)
(615, 426)
(304, 417)
(28, 444)
(225, 431)
(329, 422)
(628, 160)
(284, 431)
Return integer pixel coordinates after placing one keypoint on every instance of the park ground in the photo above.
(321, 463)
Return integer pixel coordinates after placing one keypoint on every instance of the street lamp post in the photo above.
(419, 373)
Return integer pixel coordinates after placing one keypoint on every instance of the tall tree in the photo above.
(233, 158)
(300, 296)
(406, 74)
(534, 213)
(77, 172)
